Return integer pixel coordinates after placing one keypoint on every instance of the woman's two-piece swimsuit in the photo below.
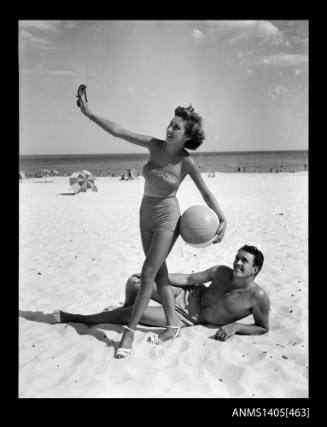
(160, 211)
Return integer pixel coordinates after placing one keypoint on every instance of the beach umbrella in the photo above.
(81, 181)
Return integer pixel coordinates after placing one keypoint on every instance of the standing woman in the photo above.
(169, 163)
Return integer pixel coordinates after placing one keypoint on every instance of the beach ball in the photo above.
(198, 226)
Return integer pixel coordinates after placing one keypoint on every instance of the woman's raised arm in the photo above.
(116, 130)
(113, 128)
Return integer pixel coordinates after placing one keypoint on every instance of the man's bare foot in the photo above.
(171, 332)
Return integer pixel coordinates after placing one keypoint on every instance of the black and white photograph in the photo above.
(163, 208)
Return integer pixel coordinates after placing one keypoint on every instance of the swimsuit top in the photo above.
(159, 182)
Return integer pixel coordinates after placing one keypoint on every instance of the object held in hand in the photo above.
(80, 92)
(198, 226)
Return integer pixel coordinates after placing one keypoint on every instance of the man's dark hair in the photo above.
(258, 255)
(193, 128)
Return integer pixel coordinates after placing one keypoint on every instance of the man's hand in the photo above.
(225, 332)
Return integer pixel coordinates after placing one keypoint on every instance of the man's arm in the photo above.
(260, 313)
(195, 279)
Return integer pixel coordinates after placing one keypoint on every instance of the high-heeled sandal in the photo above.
(125, 353)
(154, 338)
(81, 91)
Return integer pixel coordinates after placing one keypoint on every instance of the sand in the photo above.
(76, 253)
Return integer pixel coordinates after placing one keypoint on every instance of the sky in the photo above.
(248, 80)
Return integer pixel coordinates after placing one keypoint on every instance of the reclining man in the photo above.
(232, 295)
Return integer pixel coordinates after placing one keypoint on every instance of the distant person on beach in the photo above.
(169, 163)
(129, 173)
(232, 295)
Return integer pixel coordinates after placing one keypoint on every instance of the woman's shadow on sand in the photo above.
(81, 328)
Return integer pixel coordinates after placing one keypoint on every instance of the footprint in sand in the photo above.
(152, 353)
(178, 346)
(185, 346)
(231, 377)
(78, 359)
(156, 353)
(256, 357)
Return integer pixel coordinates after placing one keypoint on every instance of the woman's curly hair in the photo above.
(193, 126)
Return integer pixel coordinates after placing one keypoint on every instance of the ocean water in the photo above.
(116, 164)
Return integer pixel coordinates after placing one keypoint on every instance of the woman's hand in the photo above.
(84, 107)
(220, 232)
(82, 104)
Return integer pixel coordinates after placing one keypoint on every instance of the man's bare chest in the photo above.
(233, 301)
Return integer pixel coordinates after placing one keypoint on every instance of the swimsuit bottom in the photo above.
(157, 213)
(188, 304)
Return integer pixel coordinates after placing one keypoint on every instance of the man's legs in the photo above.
(153, 316)
(133, 285)
(131, 289)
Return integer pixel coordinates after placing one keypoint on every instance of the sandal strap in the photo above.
(129, 329)
(178, 328)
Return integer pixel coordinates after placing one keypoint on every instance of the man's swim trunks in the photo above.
(188, 304)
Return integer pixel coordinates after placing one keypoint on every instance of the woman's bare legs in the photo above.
(156, 249)
(167, 299)
(165, 291)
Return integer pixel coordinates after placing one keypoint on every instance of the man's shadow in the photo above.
(80, 328)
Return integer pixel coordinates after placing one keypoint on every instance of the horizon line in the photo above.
(193, 153)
